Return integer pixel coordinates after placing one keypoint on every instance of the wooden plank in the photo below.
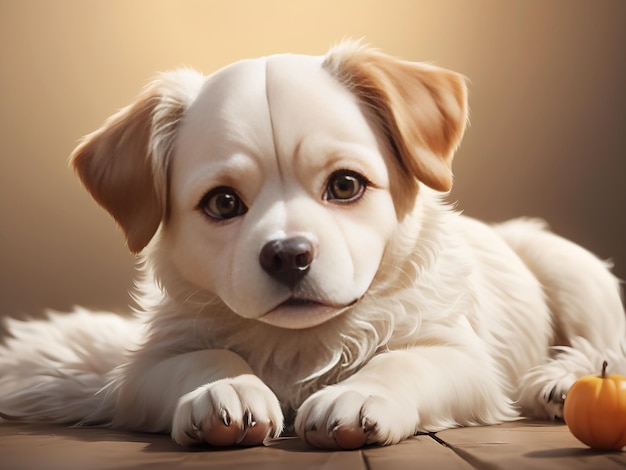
(414, 453)
(33, 447)
(291, 453)
(525, 445)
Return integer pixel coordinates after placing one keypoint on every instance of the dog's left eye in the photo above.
(222, 203)
(345, 186)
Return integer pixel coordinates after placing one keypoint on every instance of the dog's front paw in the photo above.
(238, 411)
(346, 418)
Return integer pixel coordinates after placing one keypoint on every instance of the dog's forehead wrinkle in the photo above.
(304, 100)
(274, 151)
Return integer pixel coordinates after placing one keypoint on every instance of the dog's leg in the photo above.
(545, 387)
(587, 315)
(203, 396)
(401, 392)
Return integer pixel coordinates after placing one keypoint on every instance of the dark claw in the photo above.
(225, 417)
(249, 422)
(367, 426)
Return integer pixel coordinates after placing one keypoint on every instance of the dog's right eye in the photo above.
(345, 186)
(222, 203)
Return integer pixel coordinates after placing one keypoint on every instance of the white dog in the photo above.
(299, 263)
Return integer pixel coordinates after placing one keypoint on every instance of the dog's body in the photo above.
(291, 213)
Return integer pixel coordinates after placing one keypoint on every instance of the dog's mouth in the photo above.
(298, 314)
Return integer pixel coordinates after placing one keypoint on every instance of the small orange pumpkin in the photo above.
(595, 410)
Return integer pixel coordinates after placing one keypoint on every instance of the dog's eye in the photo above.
(345, 186)
(222, 203)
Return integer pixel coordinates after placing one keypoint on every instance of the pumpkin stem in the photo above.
(604, 364)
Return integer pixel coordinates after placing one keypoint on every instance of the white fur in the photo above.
(430, 319)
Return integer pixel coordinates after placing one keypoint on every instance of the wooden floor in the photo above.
(522, 445)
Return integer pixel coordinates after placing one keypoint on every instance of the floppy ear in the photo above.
(422, 108)
(124, 163)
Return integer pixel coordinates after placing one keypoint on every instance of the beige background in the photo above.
(548, 98)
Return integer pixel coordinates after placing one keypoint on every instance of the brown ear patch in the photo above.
(421, 108)
(124, 163)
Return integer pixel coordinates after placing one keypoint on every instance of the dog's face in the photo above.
(278, 183)
(279, 192)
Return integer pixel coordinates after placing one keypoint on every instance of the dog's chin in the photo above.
(295, 314)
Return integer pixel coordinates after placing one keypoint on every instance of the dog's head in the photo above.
(278, 183)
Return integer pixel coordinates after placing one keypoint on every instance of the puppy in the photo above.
(299, 265)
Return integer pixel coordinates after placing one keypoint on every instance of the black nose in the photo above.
(287, 260)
